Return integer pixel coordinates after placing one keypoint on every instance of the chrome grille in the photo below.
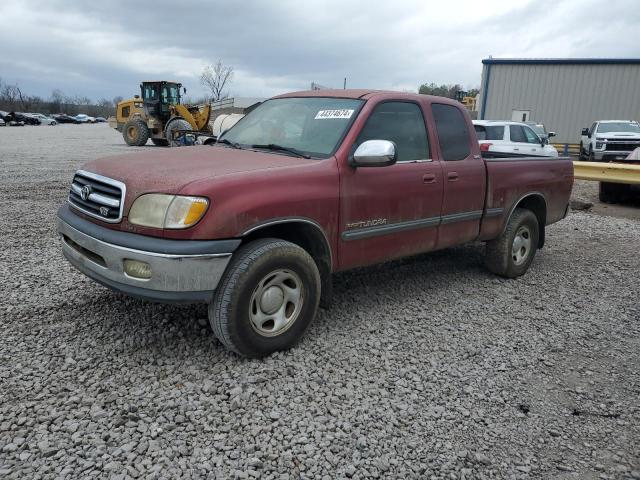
(97, 196)
(620, 146)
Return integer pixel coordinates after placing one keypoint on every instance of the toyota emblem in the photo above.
(85, 192)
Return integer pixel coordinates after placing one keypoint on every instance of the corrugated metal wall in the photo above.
(565, 98)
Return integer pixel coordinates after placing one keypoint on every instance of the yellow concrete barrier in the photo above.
(607, 172)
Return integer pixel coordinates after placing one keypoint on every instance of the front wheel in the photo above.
(135, 132)
(173, 126)
(266, 299)
(511, 253)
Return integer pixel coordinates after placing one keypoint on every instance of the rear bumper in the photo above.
(181, 271)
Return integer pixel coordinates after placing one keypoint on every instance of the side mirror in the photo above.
(374, 153)
(585, 132)
(184, 90)
(551, 134)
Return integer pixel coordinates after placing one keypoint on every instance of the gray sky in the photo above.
(105, 48)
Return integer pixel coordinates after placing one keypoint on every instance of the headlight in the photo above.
(599, 145)
(167, 211)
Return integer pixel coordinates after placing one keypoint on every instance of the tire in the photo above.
(135, 132)
(237, 314)
(501, 258)
(160, 142)
(592, 156)
(581, 155)
(614, 192)
(173, 125)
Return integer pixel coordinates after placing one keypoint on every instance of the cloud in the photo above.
(103, 49)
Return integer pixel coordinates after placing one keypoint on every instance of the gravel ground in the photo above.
(424, 368)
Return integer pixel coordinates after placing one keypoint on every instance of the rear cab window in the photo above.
(489, 132)
(453, 135)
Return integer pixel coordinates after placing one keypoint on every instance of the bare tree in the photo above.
(117, 100)
(215, 78)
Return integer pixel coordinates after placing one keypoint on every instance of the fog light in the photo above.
(137, 269)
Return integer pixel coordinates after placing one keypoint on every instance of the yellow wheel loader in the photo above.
(158, 115)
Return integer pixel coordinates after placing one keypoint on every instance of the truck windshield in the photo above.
(311, 125)
(618, 127)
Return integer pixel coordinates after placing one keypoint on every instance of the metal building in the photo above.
(564, 94)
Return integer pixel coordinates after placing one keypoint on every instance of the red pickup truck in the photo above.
(307, 184)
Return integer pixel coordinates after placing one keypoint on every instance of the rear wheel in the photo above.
(135, 132)
(173, 126)
(511, 253)
(160, 142)
(267, 298)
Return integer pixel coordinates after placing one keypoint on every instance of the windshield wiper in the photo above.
(280, 148)
(224, 141)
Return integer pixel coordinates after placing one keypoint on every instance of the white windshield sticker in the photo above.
(323, 114)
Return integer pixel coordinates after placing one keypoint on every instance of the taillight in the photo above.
(484, 147)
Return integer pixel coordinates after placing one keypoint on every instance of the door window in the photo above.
(532, 137)
(401, 123)
(126, 111)
(453, 135)
(517, 134)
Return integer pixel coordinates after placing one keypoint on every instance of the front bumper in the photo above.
(181, 270)
(605, 155)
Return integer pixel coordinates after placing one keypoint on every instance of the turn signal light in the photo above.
(484, 147)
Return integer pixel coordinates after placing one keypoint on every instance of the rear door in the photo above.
(393, 211)
(464, 177)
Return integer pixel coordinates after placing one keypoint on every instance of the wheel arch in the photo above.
(537, 203)
(305, 233)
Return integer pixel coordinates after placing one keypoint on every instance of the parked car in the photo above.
(255, 225)
(502, 138)
(541, 131)
(25, 118)
(101, 120)
(2, 122)
(608, 140)
(44, 120)
(63, 118)
(82, 118)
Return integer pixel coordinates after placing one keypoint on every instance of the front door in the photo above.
(391, 212)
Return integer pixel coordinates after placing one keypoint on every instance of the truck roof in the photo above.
(616, 121)
(362, 94)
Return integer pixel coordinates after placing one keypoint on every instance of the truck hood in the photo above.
(619, 136)
(168, 170)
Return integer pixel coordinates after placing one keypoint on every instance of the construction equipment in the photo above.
(159, 115)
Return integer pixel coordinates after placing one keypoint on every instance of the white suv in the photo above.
(513, 139)
(608, 140)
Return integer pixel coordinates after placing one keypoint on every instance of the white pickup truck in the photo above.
(609, 140)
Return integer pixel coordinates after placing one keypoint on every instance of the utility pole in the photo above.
(344, 87)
